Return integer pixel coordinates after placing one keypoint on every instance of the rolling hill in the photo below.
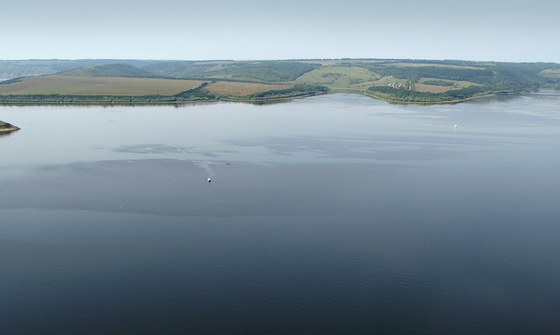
(109, 70)
(37, 67)
(410, 81)
(266, 71)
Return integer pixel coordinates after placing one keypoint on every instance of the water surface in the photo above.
(331, 214)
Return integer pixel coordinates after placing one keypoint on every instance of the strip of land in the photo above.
(151, 82)
(6, 128)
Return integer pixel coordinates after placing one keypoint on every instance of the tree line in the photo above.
(390, 93)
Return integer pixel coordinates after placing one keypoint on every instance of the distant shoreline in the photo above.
(131, 101)
(448, 102)
(122, 100)
(401, 81)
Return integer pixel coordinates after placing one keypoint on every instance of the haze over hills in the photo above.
(38, 67)
(110, 70)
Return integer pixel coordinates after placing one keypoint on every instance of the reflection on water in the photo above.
(332, 214)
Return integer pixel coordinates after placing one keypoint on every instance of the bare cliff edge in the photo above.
(6, 127)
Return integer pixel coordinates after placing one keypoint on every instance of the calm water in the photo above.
(334, 214)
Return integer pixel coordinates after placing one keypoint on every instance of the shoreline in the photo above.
(144, 100)
(8, 130)
(450, 102)
(121, 100)
(6, 127)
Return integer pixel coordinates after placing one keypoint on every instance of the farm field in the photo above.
(421, 86)
(117, 86)
(339, 77)
(551, 73)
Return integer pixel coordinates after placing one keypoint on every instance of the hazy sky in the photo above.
(500, 30)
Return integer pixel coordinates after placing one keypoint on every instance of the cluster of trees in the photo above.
(518, 77)
(439, 82)
(110, 70)
(493, 78)
(196, 94)
(182, 69)
(480, 76)
(295, 91)
(6, 128)
(269, 71)
(83, 99)
(390, 93)
(5, 125)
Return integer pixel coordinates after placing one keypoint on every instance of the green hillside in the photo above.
(267, 71)
(484, 78)
(109, 70)
(340, 77)
(26, 68)
(185, 69)
(409, 81)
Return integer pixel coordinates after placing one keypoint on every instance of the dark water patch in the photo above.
(326, 274)
(157, 148)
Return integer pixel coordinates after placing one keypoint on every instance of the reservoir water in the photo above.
(336, 214)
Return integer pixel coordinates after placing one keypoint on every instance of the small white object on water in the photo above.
(455, 126)
(209, 179)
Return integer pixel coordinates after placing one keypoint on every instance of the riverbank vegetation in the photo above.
(143, 82)
(6, 127)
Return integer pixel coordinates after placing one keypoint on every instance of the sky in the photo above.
(479, 30)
